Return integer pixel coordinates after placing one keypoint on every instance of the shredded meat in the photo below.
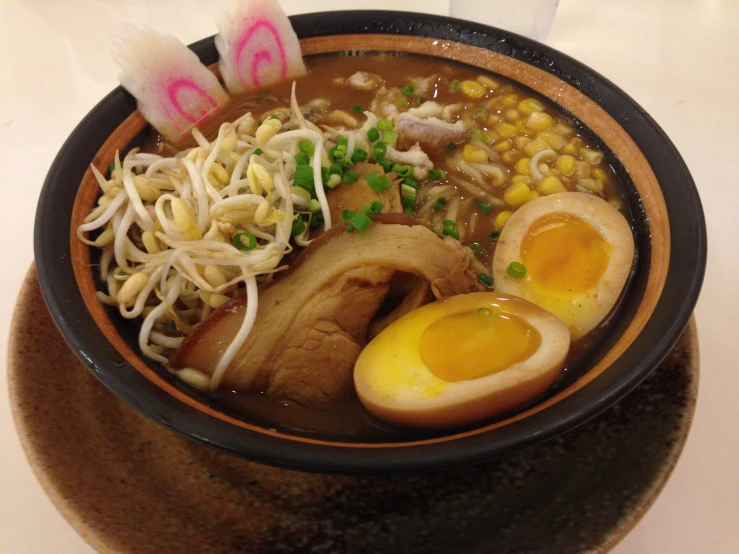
(313, 320)
(414, 156)
(427, 109)
(433, 132)
(364, 80)
(342, 118)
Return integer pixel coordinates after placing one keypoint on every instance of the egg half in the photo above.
(461, 360)
(578, 251)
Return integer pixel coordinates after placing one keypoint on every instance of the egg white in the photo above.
(582, 311)
(394, 383)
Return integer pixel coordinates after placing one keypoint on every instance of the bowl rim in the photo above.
(687, 266)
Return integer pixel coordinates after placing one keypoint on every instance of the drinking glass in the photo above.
(531, 18)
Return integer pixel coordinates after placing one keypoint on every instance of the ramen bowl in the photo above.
(667, 222)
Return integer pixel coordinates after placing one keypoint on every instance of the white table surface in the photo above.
(678, 58)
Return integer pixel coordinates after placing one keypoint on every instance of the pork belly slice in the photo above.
(433, 132)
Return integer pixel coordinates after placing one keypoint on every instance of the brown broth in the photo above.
(325, 80)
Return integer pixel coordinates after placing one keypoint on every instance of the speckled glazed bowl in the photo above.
(665, 208)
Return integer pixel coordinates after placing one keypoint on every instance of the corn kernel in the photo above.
(511, 114)
(475, 154)
(494, 118)
(592, 185)
(582, 169)
(598, 173)
(132, 287)
(530, 105)
(520, 142)
(522, 166)
(150, 242)
(510, 101)
(488, 83)
(535, 146)
(511, 156)
(517, 194)
(555, 140)
(573, 146)
(522, 129)
(566, 164)
(521, 179)
(505, 130)
(539, 121)
(503, 146)
(501, 219)
(214, 276)
(473, 89)
(534, 195)
(551, 185)
(220, 174)
(491, 135)
(593, 157)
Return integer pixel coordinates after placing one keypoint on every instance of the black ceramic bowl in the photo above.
(666, 212)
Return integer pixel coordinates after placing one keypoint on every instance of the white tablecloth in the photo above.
(678, 58)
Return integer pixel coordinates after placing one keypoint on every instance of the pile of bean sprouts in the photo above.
(167, 228)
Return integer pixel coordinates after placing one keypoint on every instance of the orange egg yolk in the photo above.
(470, 345)
(564, 253)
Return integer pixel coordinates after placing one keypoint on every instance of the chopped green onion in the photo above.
(337, 152)
(346, 215)
(516, 270)
(408, 201)
(450, 232)
(379, 150)
(372, 208)
(350, 177)
(480, 113)
(304, 179)
(409, 211)
(408, 89)
(302, 159)
(402, 170)
(401, 101)
(258, 152)
(477, 250)
(346, 163)
(324, 174)
(306, 147)
(448, 223)
(440, 204)
(494, 235)
(273, 116)
(451, 147)
(359, 155)
(406, 190)
(333, 181)
(314, 206)
(316, 221)
(486, 207)
(342, 140)
(386, 165)
(373, 134)
(411, 181)
(245, 241)
(336, 169)
(477, 134)
(436, 174)
(111, 168)
(384, 125)
(483, 312)
(360, 222)
(486, 280)
(391, 137)
(421, 100)
(357, 108)
(298, 227)
(455, 86)
(378, 182)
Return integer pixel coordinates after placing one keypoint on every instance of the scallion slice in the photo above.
(440, 204)
(372, 208)
(408, 89)
(486, 280)
(477, 249)
(384, 125)
(373, 134)
(360, 222)
(245, 241)
(436, 174)
(516, 270)
(378, 182)
(350, 177)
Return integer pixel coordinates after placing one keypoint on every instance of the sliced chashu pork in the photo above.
(312, 321)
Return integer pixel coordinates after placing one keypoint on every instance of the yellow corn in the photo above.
(219, 174)
(521, 179)
(510, 101)
(517, 194)
(591, 156)
(582, 169)
(150, 242)
(521, 141)
(573, 146)
(555, 140)
(472, 153)
(598, 173)
(300, 191)
(539, 121)
(228, 145)
(145, 190)
(534, 147)
(493, 119)
(534, 195)
(503, 146)
(501, 219)
(511, 156)
(214, 276)
(132, 287)
(194, 378)
(593, 185)
(511, 114)
(488, 83)
(530, 105)
(522, 166)
(566, 164)
(491, 135)
(267, 130)
(551, 185)
(505, 130)
(473, 89)
(184, 220)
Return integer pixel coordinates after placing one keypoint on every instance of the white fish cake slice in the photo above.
(174, 90)
(258, 46)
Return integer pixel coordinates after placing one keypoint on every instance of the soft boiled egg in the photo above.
(460, 360)
(576, 250)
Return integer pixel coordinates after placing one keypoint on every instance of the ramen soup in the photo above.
(389, 245)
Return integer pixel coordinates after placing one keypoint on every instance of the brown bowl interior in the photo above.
(609, 132)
